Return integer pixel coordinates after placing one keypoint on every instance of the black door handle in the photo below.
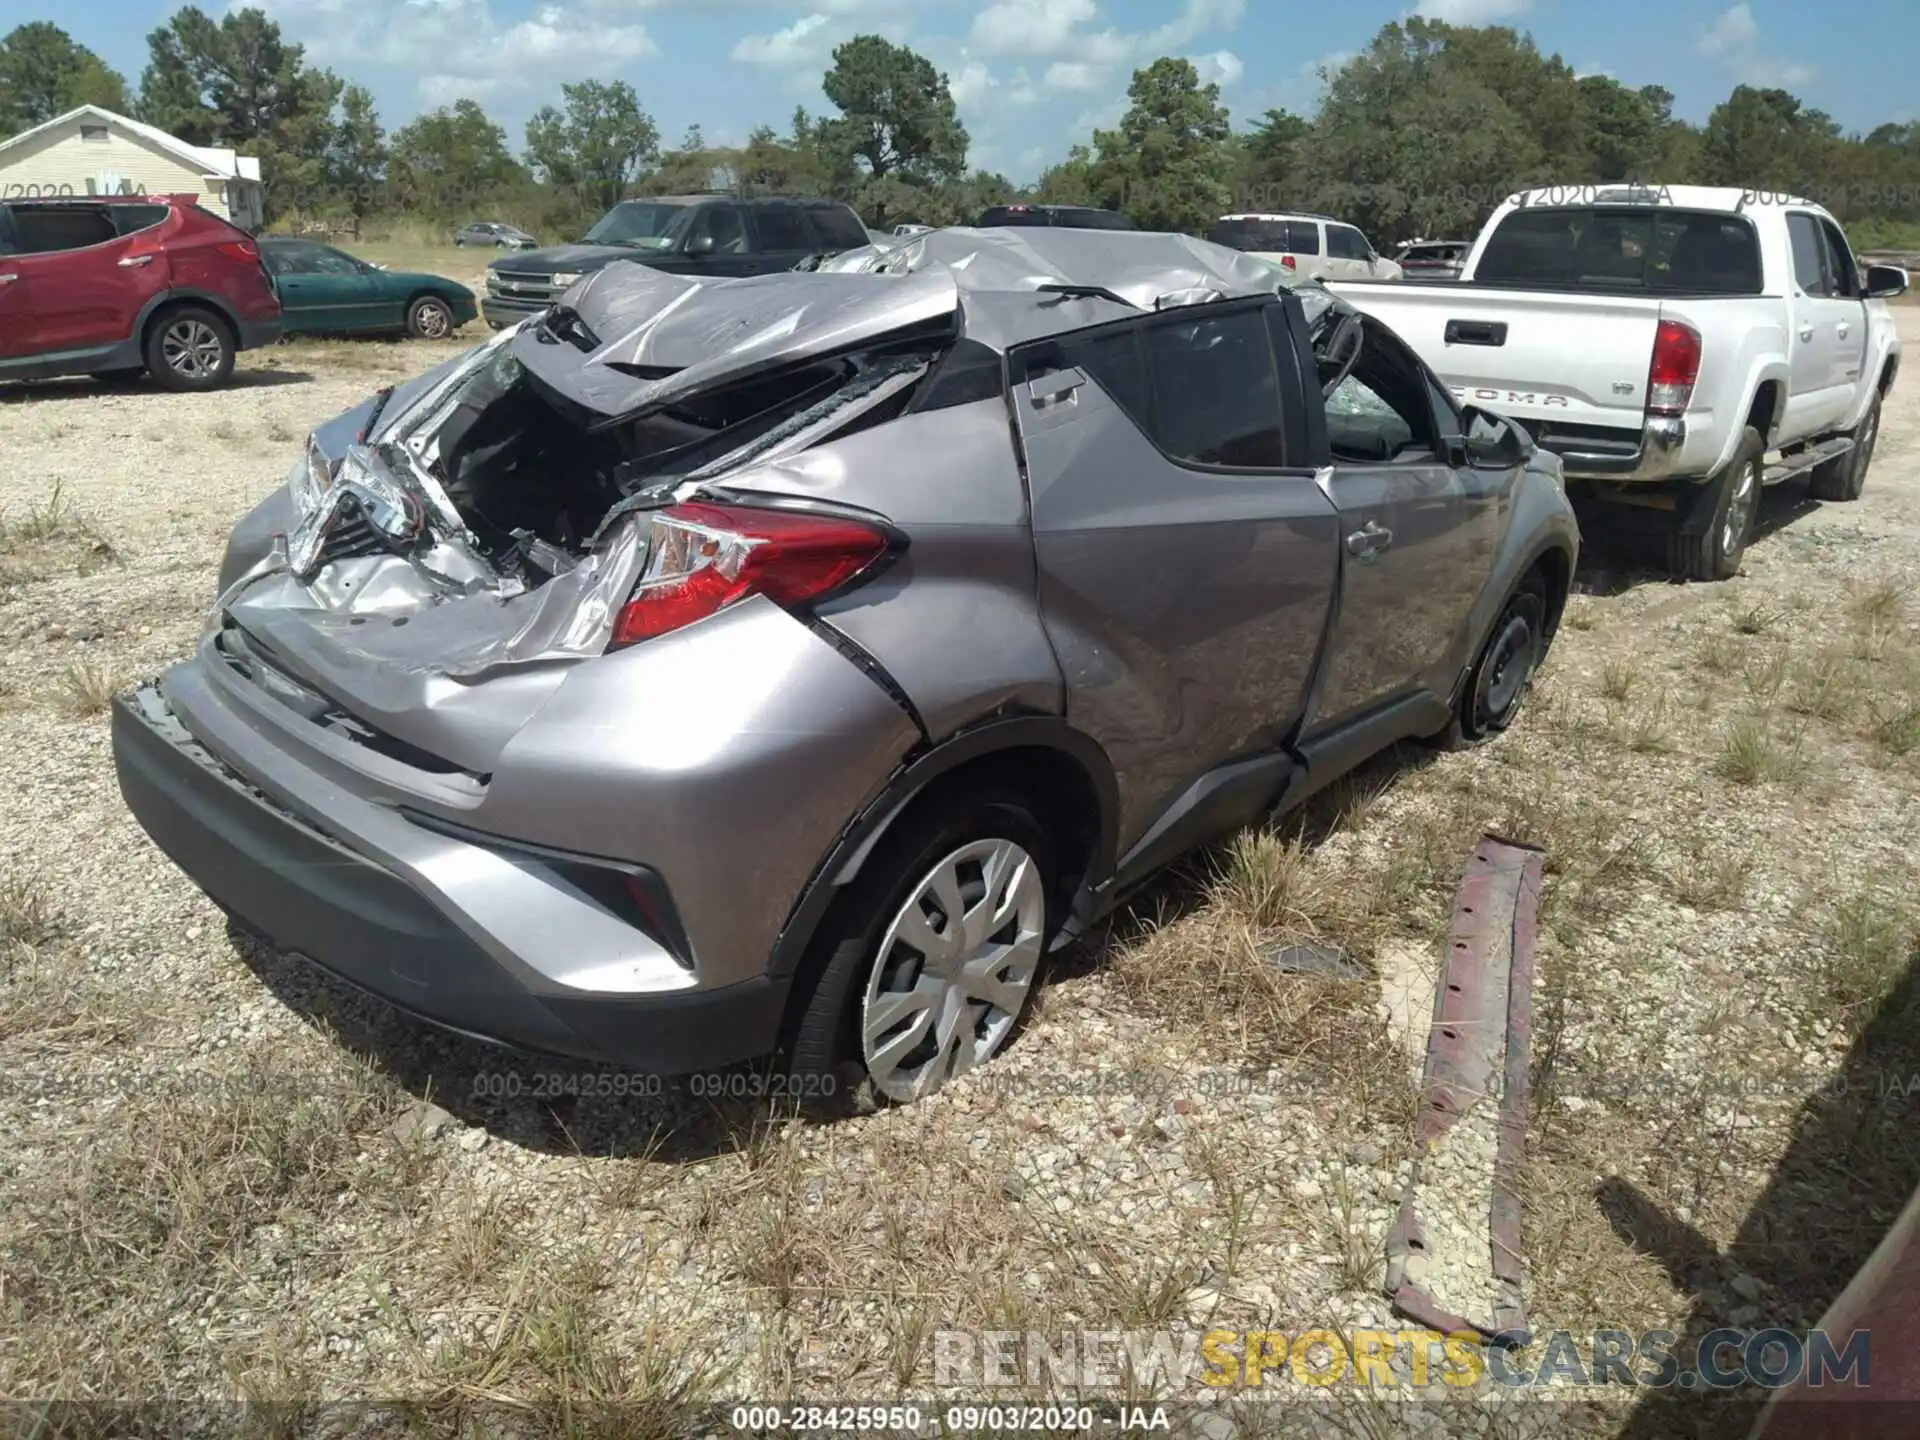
(1476, 332)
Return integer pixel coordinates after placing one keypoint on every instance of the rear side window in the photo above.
(1274, 237)
(1216, 398)
(1346, 243)
(129, 218)
(1601, 248)
(1204, 390)
(781, 227)
(839, 228)
(1809, 254)
(38, 229)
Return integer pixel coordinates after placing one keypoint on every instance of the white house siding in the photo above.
(61, 162)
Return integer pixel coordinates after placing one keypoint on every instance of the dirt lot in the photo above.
(219, 1178)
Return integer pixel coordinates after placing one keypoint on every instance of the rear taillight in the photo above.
(1288, 262)
(702, 558)
(1676, 365)
(239, 250)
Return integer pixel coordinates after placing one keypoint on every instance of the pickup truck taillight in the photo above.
(704, 557)
(1287, 261)
(1676, 365)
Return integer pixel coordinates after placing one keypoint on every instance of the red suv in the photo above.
(113, 285)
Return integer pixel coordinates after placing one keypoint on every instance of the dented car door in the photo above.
(1184, 565)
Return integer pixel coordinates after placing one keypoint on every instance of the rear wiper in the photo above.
(563, 322)
(1086, 292)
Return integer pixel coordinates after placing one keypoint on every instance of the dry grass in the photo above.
(89, 685)
(48, 539)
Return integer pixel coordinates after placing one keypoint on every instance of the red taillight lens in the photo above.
(1287, 261)
(702, 558)
(1676, 365)
(239, 250)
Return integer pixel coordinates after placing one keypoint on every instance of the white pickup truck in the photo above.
(1678, 347)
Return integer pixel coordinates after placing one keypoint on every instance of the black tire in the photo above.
(1844, 478)
(1497, 682)
(189, 349)
(429, 318)
(823, 1048)
(1712, 548)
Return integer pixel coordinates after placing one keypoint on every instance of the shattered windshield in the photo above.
(645, 225)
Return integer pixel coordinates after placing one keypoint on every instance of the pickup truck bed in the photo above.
(1515, 353)
(1679, 348)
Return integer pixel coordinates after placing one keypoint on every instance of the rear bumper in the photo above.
(1659, 455)
(282, 875)
(256, 333)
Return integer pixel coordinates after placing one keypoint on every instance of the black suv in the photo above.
(1072, 217)
(686, 234)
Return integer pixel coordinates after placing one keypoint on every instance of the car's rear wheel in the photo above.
(190, 349)
(1713, 549)
(429, 318)
(929, 963)
(1497, 684)
(1846, 477)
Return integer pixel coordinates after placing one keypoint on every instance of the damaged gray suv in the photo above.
(718, 668)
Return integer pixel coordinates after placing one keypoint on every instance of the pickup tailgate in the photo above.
(1548, 360)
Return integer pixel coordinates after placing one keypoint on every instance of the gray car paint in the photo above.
(1057, 566)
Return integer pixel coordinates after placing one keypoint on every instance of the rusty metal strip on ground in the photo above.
(1485, 990)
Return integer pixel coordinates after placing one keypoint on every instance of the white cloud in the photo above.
(1734, 40)
(1222, 68)
(1470, 12)
(458, 49)
(1028, 27)
(795, 45)
(1075, 75)
(971, 84)
(1084, 59)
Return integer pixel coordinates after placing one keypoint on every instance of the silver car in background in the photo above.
(716, 668)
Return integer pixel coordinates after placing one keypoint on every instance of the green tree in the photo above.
(1167, 165)
(1765, 139)
(239, 84)
(1624, 130)
(897, 127)
(1406, 143)
(450, 161)
(43, 73)
(691, 167)
(356, 155)
(1269, 160)
(597, 145)
(1070, 182)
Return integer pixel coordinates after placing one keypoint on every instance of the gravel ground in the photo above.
(221, 1176)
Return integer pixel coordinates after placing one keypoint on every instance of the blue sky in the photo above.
(1031, 76)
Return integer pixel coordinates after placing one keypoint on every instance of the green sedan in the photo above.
(324, 291)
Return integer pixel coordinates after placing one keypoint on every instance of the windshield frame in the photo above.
(673, 224)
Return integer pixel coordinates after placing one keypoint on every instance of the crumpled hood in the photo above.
(664, 336)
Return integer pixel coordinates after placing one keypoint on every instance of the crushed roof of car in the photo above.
(652, 336)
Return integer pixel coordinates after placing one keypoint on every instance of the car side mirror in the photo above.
(1493, 442)
(700, 245)
(1884, 282)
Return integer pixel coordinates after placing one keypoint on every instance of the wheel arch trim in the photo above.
(861, 838)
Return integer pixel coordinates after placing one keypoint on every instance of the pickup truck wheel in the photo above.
(1711, 547)
(929, 962)
(1497, 683)
(1846, 477)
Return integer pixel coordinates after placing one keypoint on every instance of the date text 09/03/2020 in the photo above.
(911, 1419)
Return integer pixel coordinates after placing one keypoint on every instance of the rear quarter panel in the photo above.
(954, 622)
